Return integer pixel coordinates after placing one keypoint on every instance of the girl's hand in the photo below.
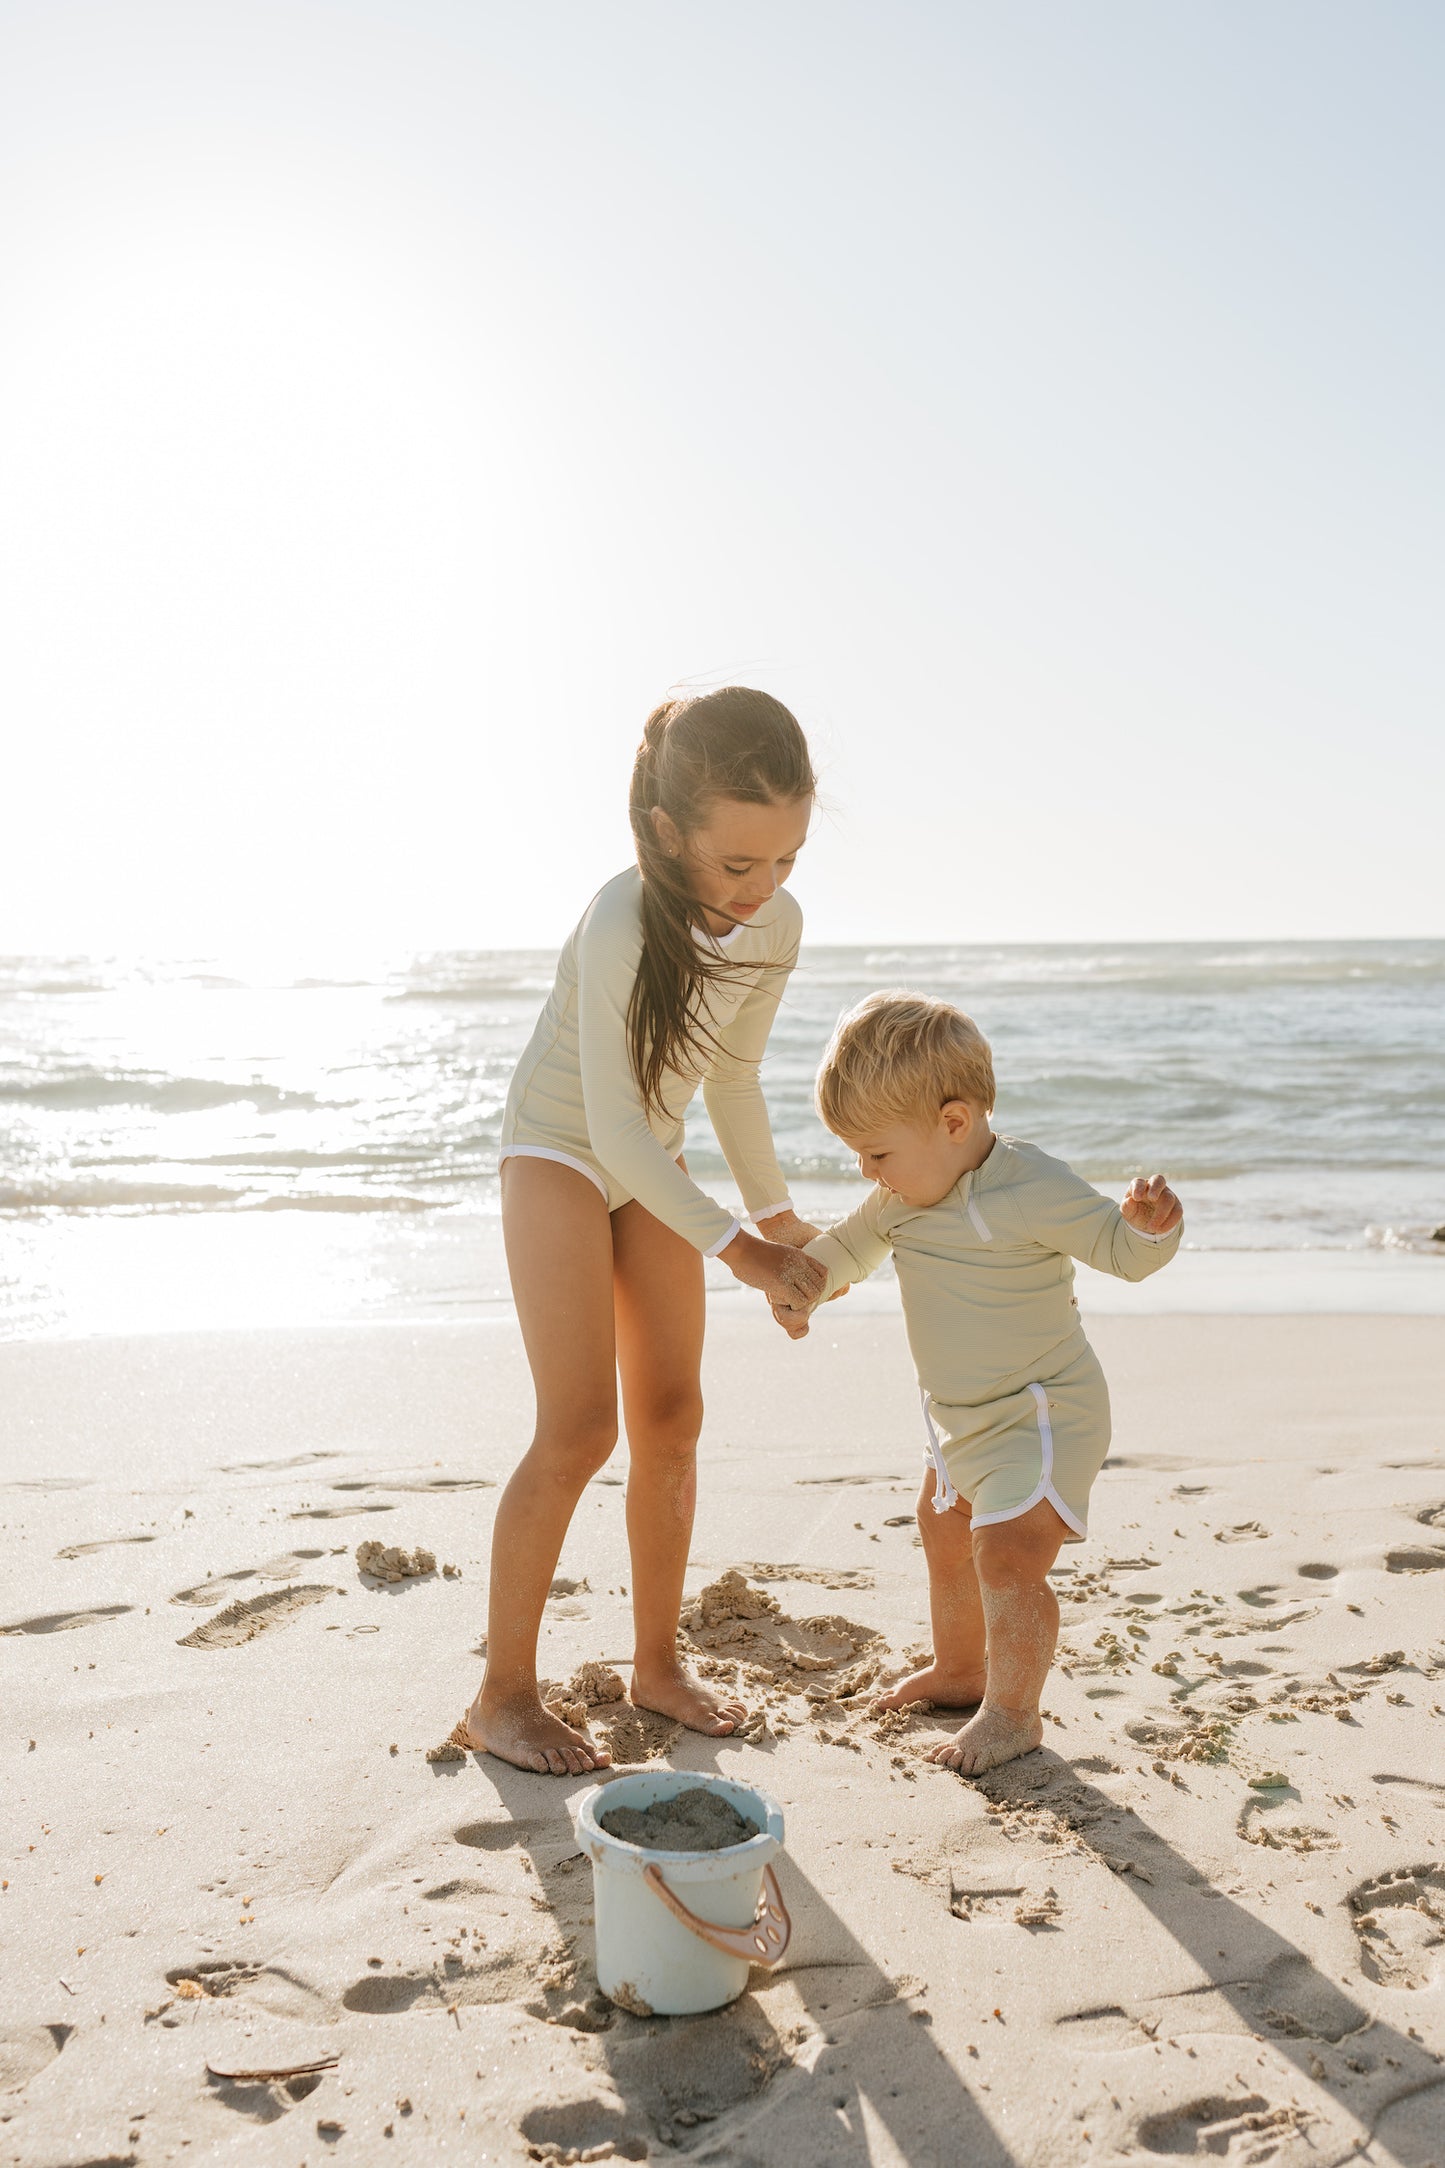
(790, 1280)
(1151, 1206)
(786, 1227)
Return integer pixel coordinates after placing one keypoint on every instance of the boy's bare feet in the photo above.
(991, 1737)
(674, 1692)
(945, 1689)
(520, 1730)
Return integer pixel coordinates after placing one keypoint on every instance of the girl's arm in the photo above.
(609, 947)
(732, 1090)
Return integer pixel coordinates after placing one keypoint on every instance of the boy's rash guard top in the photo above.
(985, 1274)
(574, 1085)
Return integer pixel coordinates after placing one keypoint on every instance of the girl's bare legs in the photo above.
(658, 1293)
(1021, 1615)
(559, 1254)
(955, 1677)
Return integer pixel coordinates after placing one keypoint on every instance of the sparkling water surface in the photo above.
(190, 1141)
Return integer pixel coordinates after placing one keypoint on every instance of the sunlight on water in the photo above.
(264, 1138)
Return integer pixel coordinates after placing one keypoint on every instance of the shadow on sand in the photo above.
(831, 2062)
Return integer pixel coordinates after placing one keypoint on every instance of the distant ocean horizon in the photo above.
(1294, 1091)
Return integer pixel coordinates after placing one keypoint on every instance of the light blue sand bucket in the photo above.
(677, 1931)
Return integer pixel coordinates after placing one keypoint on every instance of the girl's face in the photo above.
(740, 857)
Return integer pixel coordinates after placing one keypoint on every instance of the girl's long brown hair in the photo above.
(732, 743)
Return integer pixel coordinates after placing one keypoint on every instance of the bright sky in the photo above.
(397, 396)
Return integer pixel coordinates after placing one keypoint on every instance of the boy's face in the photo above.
(922, 1161)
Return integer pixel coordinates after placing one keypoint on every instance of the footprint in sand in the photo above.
(64, 1622)
(443, 1483)
(1155, 1463)
(822, 1576)
(24, 2054)
(1226, 2125)
(1241, 1532)
(591, 2129)
(1432, 1516)
(284, 1568)
(1104, 2027)
(1415, 1559)
(1399, 1920)
(49, 1483)
(215, 1977)
(1423, 1784)
(252, 1615)
(104, 1543)
(1317, 1571)
(505, 1975)
(507, 1836)
(460, 1885)
(262, 1467)
(840, 1482)
(339, 1513)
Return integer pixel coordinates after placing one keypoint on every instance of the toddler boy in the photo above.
(982, 1230)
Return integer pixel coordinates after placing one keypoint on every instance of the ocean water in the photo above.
(186, 1141)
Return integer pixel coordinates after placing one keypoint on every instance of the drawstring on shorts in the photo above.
(944, 1494)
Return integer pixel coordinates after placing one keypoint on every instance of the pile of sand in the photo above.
(697, 1820)
(591, 1686)
(389, 1562)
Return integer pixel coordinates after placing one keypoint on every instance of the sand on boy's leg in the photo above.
(1021, 1618)
(954, 1677)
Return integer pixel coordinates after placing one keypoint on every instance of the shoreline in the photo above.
(65, 1279)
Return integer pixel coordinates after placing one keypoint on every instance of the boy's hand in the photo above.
(1151, 1206)
(793, 1322)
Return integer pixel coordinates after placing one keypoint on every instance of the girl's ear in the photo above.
(669, 835)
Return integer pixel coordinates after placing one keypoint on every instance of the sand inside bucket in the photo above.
(696, 1820)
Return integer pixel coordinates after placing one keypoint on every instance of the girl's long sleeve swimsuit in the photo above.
(574, 1097)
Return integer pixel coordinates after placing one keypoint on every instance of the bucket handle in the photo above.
(763, 1943)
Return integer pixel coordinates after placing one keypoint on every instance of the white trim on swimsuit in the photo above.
(945, 1495)
(563, 1159)
(580, 1166)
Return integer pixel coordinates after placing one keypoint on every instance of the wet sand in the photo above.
(247, 1919)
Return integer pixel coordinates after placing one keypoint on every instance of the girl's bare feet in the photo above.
(519, 1729)
(993, 1736)
(673, 1691)
(945, 1689)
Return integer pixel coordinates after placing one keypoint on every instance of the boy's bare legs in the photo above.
(659, 1307)
(955, 1677)
(1021, 1615)
(559, 1254)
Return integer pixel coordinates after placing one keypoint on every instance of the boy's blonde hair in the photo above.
(900, 1057)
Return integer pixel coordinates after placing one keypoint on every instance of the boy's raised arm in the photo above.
(1066, 1213)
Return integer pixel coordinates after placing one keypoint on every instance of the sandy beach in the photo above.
(1207, 1919)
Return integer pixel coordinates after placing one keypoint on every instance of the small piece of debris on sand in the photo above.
(389, 1562)
(697, 1820)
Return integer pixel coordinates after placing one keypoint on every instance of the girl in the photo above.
(671, 979)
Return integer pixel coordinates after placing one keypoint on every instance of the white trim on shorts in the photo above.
(563, 1159)
(945, 1495)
